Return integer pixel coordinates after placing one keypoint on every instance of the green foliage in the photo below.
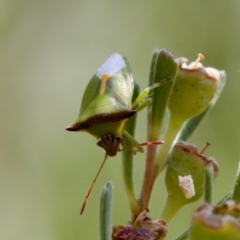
(189, 174)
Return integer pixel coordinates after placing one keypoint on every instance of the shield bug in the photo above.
(107, 105)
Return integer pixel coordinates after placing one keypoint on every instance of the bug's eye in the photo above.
(99, 143)
(119, 139)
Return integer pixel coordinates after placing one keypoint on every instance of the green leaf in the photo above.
(162, 67)
(152, 67)
(227, 197)
(236, 191)
(184, 235)
(105, 211)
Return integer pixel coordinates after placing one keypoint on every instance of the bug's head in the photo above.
(110, 143)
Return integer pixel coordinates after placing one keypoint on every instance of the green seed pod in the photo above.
(216, 222)
(194, 88)
(185, 173)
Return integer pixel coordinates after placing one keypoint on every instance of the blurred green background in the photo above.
(48, 52)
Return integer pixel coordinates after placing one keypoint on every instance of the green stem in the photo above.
(153, 168)
(128, 181)
(175, 124)
(170, 209)
(208, 183)
(236, 191)
(128, 161)
(146, 185)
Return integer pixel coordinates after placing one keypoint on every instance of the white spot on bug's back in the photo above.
(113, 64)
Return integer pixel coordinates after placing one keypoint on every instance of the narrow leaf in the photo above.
(236, 191)
(227, 197)
(162, 67)
(105, 211)
(184, 235)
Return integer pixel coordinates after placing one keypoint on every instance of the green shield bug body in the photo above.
(107, 105)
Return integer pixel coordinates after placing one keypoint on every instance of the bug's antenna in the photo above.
(91, 187)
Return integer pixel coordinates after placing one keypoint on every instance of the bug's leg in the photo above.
(133, 142)
(121, 149)
(151, 143)
(146, 91)
(142, 105)
(136, 146)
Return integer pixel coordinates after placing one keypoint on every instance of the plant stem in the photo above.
(146, 185)
(128, 181)
(174, 127)
(154, 167)
(170, 209)
(208, 184)
(175, 124)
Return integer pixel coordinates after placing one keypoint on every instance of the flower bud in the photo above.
(185, 160)
(216, 222)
